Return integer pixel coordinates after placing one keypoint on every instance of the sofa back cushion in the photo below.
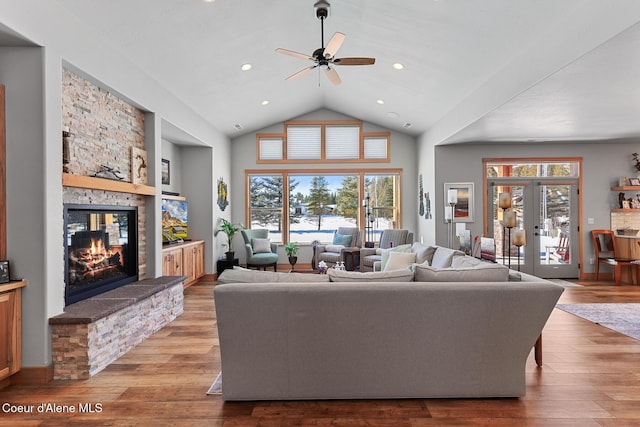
(404, 275)
(488, 273)
(244, 275)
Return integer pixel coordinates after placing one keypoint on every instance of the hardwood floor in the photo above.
(590, 377)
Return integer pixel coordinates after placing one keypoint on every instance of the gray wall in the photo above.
(403, 156)
(602, 164)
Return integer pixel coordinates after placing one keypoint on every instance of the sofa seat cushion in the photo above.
(334, 248)
(405, 275)
(486, 273)
(244, 275)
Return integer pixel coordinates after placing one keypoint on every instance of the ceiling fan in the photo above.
(324, 57)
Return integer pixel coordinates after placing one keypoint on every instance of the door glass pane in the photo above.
(555, 223)
(265, 204)
(506, 251)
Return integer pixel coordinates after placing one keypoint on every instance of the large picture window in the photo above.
(318, 202)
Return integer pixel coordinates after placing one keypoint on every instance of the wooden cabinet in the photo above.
(10, 328)
(185, 259)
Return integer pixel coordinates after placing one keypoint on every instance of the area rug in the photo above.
(623, 318)
(216, 387)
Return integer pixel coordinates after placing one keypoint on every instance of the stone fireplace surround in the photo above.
(92, 333)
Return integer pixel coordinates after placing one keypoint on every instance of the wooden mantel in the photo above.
(78, 181)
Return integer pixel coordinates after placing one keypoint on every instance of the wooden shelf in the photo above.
(14, 284)
(625, 210)
(70, 180)
(170, 197)
(626, 188)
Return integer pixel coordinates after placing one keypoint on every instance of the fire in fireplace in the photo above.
(101, 250)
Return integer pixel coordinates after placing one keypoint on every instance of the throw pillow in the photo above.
(423, 253)
(386, 252)
(400, 260)
(260, 245)
(370, 276)
(443, 256)
(341, 239)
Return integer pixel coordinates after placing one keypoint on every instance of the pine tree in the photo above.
(347, 197)
(319, 197)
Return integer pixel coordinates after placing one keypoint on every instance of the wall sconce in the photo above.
(519, 240)
(66, 134)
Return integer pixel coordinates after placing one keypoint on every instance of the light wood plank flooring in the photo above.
(590, 377)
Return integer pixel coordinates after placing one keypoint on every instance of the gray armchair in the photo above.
(259, 257)
(368, 256)
(332, 253)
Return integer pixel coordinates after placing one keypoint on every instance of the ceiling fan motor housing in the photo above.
(322, 9)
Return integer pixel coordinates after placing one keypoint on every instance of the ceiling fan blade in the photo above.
(301, 73)
(294, 54)
(333, 45)
(354, 61)
(333, 76)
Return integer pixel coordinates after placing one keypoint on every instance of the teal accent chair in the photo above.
(260, 260)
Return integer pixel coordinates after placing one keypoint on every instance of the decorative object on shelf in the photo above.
(621, 200)
(622, 181)
(230, 229)
(166, 172)
(627, 231)
(634, 181)
(291, 249)
(504, 202)
(519, 240)
(66, 157)
(368, 221)
(222, 194)
(4, 272)
(636, 159)
(464, 200)
(509, 221)
(138, 166)
(108, 172)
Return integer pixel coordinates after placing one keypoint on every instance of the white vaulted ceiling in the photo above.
(474, 70)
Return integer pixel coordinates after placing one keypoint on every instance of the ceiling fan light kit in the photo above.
(324, 57)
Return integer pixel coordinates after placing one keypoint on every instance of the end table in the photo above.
(223, 264)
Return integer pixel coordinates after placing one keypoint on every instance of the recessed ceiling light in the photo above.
(209, 1)
(393, 114)
(380, 101)
(246, 67)
(265, 102)
(398, 66)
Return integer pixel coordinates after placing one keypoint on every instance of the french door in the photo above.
(547, 211)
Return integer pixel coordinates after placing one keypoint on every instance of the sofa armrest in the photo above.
(249, 249)
(274, 248)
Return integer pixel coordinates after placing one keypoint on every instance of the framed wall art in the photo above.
(166, 172)
(463, 209)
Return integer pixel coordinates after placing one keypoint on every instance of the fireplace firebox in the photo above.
(101, 249)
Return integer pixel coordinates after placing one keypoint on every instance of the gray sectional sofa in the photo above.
(351, 335)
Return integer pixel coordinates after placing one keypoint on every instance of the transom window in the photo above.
(333, 141)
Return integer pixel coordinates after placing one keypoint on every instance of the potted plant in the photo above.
(291, 249)
(230, 229)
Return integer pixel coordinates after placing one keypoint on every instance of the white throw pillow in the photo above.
(261, 245)
(386, 252)
(399, 260)
(443, 256)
